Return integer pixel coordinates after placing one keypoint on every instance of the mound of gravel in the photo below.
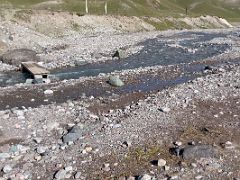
(16, 56)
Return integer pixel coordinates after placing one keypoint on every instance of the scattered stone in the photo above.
(106, 167)
(165, 109)
(115, 81)
(7, 169)
(178, 143)
(228, 145)
(161, 162)
(41, 150)
(68, 168)
(199, 151)
(60, 174)
(77, 175)
(127, 144)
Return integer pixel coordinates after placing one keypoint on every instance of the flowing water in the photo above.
(180, 48)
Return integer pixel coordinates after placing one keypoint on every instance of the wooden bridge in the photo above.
(34, 69)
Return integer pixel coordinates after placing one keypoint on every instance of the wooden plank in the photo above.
(34, 68)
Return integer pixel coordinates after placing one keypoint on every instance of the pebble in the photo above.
(161, 162)
(165, 109)
(7, 169)
(48, 92)
(199, 177)
(88, 149)
(37, 158)
(194, 165)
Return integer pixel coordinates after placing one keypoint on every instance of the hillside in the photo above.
(229, 9)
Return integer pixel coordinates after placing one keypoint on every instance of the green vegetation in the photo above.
(154, 8)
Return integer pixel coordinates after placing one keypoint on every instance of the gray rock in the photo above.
(71, 137)
(18, 148)
(41, 149)
(77, 175)
(115, 81)
(16, 56)
(74, 134)
(199, 151)
(60, 174)
(7, 169)
(4, 156)
(76, 129)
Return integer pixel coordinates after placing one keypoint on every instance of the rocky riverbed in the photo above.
(175, 120)
(185, 132)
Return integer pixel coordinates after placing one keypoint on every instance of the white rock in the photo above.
(7, 169)
(48, 92)
(165, 109)
(161, 162)
(68, 168)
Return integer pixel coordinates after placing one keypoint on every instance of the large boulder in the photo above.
(199, 151)
(120, 54)
(16, 56)
(115, 81)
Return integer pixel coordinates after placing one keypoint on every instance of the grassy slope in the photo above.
(176, 8)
